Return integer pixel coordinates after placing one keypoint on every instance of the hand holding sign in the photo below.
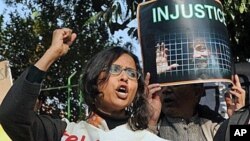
(235, 98)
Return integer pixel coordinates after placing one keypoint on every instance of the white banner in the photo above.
(5, 79)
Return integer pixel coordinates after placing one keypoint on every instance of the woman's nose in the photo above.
(124, 76)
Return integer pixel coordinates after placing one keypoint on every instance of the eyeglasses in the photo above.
(131, 73)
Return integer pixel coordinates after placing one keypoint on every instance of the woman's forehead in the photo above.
(125, 60)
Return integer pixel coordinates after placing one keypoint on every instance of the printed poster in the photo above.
(184, 41)
(5, 79)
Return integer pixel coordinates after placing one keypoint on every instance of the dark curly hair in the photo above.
(138, 111)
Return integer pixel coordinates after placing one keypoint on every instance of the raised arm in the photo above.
(62, 39)
(17, 114)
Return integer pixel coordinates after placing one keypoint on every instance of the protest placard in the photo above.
(5, 79)
(184, 42)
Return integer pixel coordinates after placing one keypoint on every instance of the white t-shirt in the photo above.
(83, 131)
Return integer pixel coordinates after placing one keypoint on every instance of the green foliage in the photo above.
(113, 15)
(25, 38)
(237, 17)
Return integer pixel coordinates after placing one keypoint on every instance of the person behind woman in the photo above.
(179, 116)
(113, 87)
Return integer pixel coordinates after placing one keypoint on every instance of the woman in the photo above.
(113, 88)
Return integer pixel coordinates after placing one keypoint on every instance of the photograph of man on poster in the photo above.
(191, 56)
(181, 46)
(162, 64)
(205, 61)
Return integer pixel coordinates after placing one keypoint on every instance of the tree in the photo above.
(238, 23)
(237, 17)
(25, 38)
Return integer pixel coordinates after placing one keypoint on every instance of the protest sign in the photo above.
(5, 79)
(184, 42)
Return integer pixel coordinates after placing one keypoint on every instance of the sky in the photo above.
(127, 38)
(120, 33)
(2, 5)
